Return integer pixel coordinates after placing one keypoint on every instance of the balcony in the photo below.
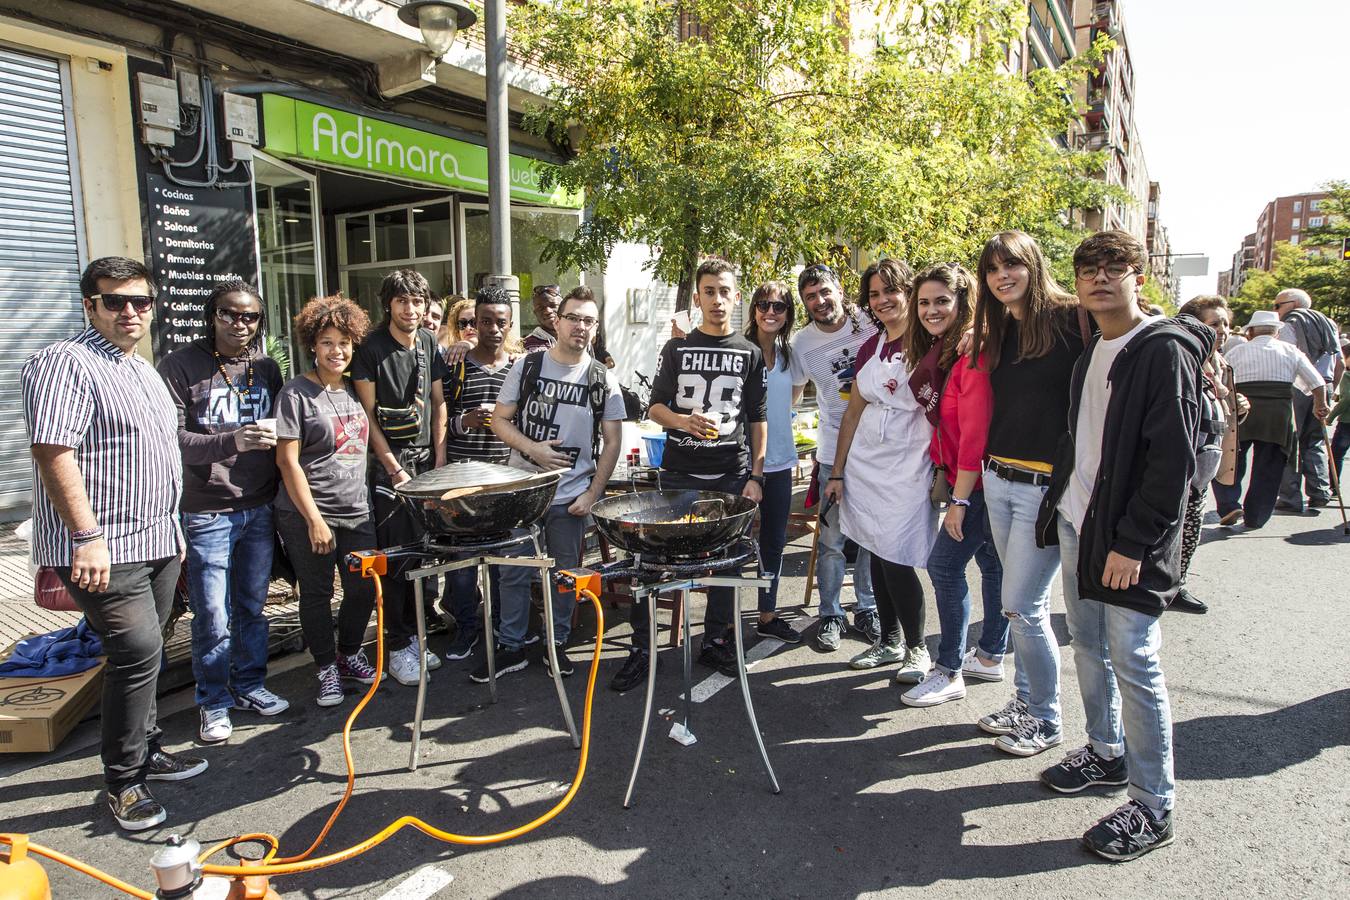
(1062, 12)
(1043, 42)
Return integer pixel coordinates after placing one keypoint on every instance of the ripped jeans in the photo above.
(1028, 572)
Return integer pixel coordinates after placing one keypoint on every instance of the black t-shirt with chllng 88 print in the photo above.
(721, 377)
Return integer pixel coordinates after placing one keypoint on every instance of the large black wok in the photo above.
(487, 512)
(673, 523)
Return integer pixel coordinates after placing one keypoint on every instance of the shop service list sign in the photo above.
(198, 236)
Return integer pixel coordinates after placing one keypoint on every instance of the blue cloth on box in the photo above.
(65, 652)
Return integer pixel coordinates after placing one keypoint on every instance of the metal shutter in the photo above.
(39, 243)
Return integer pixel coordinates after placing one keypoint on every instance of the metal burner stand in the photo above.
(483, 555)
(696, 574)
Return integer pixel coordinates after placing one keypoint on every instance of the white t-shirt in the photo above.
(1087, 434)
(827, 360)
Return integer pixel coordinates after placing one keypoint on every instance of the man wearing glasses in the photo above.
(546, 301)
(1316, 338)
(223, 388)
(107, 480)
(558, 409)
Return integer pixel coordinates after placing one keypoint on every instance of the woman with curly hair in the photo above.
(881, 473)
(322, 509)
(941, 311)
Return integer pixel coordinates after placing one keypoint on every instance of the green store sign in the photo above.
(296, 128)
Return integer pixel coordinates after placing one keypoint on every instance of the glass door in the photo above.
(286, 205)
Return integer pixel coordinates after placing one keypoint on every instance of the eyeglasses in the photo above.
(777, 306)
(581, 321)
(229, 317)
(1114, 271)
(464, 323)
(115, 303)
(1282, 303)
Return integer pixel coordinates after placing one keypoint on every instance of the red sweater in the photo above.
(967, 403)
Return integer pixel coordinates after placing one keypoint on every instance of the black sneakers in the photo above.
(134, 808)
(1129, 833)
(164, 766)
(634, 670)
(1082, 769)
(564, 664)
(868, 624)
(507, 661)
(720, 655)
(777, 628)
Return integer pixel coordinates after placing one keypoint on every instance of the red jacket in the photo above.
(967, 403)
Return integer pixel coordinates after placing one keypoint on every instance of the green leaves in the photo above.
(773, 132)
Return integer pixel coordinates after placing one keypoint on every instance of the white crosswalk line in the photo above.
(425, 882)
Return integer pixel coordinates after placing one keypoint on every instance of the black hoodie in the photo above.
(1148, 458)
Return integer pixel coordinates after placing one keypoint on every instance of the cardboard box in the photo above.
(37, 713)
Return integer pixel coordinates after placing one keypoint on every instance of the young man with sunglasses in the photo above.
(107, 481)
(224, 387)
(558, 409)
(1115, 505)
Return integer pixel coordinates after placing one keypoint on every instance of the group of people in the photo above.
(991, 416)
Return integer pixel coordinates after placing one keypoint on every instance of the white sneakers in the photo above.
(971, 667)
(405, 666)
(938, 687)
(914, 667)
(262, 701)
(216, 725)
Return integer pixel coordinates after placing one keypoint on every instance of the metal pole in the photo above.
(498, 138)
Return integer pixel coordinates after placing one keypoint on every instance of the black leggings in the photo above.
(900, 605)
(1190, 529)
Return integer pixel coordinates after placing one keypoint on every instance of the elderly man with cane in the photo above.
(1316, 338)
(1266, 371)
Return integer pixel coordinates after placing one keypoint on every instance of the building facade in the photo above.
(1285, 219)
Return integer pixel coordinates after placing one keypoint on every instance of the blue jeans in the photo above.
(773, 520)
(947, 570)
(1028, 571)
(229, 564)
(830, 563)
(1115, 650)
(461, 597)
(563, 534)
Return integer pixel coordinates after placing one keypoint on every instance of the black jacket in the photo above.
(1142, 485)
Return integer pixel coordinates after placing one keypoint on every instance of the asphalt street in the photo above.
(877, 799)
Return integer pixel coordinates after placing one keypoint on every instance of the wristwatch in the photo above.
(957, 501)
(758, 479)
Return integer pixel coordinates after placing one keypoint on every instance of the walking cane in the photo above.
(1335, 482)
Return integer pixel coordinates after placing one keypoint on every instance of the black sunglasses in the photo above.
(777, 306)
(229, 317)
(115, 303)
(464, 323)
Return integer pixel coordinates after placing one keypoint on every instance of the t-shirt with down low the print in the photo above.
(721, 377)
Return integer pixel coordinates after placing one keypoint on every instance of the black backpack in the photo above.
(532, 364)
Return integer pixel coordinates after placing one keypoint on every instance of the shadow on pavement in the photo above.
(1227, 747)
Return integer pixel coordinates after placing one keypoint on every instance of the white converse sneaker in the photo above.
(938, 687)
(405, 665)
(262, 701)
(216, 726)
(914, 667)
(971, 667)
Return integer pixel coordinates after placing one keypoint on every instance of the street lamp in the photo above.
(438, 20)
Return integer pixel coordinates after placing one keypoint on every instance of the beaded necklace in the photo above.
(248, 390)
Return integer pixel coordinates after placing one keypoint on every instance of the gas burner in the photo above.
(648, 568)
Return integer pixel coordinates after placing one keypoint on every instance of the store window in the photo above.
(288, 250)
(411, 236)
(531, 230)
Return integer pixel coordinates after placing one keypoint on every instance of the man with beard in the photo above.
(823, 353)
(397, 373)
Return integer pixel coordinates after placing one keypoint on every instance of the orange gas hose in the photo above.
(299, 863)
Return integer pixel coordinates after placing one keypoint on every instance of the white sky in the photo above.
(1237, 102)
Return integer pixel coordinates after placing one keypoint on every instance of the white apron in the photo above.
(886, 508)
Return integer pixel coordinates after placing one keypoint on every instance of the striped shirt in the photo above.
(468, 388)
(1266, 358)
(113, 409)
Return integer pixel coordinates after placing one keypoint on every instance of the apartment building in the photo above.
(1159, 246)
(1284, 219)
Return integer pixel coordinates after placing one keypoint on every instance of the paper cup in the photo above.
(268, 425)
(683, 321)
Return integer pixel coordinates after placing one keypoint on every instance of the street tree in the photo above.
(764, 133)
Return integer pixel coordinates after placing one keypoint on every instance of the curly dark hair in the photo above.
(338, 312)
